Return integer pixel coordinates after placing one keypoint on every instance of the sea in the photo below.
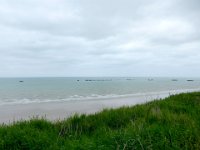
(55, 89)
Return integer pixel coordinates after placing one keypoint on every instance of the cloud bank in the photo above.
(99, 38)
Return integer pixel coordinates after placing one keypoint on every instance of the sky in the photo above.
(40, 38)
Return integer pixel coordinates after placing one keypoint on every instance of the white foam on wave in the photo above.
(96, 97)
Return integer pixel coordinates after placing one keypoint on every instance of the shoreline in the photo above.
(60, 110)
(100, 97)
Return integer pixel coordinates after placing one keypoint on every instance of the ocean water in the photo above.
(36, 90)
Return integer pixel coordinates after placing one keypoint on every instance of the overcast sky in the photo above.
(99, 38)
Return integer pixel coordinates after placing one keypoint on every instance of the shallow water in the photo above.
(32, 90)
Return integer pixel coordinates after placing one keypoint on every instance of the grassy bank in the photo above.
(172, 123)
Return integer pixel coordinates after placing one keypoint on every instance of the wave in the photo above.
(95, 97)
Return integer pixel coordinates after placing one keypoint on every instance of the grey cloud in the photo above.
(99, 38)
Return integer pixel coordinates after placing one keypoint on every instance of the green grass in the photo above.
(172, 123)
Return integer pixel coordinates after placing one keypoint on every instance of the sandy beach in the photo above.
(60, 110)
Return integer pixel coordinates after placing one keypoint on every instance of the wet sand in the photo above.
(60, 110)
